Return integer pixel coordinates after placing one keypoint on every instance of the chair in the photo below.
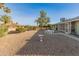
(50, 32)
(41, 37)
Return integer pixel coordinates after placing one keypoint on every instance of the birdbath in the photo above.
(41, 37)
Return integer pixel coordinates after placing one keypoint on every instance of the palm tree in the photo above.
(43, 20)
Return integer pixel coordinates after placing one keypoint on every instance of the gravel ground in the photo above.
(52, 45)
(27, 43)
(11, 43)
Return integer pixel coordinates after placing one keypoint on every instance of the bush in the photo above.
(3, 30)
(34, 28)
(21, 29)
(50, 26)
(31, 28)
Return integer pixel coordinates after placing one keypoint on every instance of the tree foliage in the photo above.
(21, 29)
(43, 20)
(7, 10)
(1, 5)
(5, 19)
(4, 8)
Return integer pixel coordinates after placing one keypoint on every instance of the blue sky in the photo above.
(27, 13)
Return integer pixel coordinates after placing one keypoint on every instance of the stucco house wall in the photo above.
(77, 27)
(70, 26)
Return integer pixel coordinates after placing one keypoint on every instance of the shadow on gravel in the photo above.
(34, 46)
(57, 45)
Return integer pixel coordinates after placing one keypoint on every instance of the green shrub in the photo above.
(3, 30)
(34, 28)
(30, 28)
(50, 26)
(21, 29)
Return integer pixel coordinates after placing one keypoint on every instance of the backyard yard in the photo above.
(34, 29)
(28, 43)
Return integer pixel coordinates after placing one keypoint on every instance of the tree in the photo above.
(50, 26)
(5, 19)
(43, 20)
(7, 10)
(1, 5)
(4, 8)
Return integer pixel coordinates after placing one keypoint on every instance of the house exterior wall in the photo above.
(63, 27)
(68, 27)
(77, 27)
(55, 27)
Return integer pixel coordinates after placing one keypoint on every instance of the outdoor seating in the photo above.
(50, 32)
(41, 37)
